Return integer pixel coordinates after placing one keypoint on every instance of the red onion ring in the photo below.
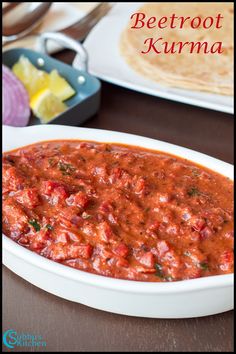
(15, 108)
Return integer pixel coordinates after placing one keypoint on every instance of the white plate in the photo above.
(106, 63)
(188, 298)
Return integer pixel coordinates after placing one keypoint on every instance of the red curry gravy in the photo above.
(119, 211)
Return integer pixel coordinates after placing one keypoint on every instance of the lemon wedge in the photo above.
(33, 79)
(59, 86)
(46, 106)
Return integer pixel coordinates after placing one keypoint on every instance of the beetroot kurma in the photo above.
(119, 211)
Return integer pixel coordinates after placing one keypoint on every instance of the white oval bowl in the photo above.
(181, 299)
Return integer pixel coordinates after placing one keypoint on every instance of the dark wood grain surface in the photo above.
(68, 326)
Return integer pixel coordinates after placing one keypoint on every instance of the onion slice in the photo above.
(15, 108)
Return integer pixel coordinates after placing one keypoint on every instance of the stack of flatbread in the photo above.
(194, 71)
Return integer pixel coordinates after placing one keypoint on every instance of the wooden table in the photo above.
(68, 326)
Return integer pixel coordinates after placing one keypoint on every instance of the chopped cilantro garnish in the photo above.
(51, 161)
(49, 227)
(159, 273)
(204, 266)
(65, 168)
(158, 268)
(193, 191)
(35, 224)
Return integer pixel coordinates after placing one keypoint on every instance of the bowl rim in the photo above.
(124, 285)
